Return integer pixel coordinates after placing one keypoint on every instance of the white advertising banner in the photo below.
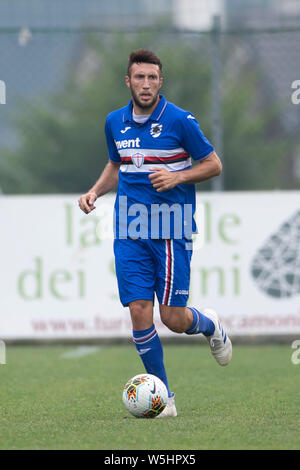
(57, 275)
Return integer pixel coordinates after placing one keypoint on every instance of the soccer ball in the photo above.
(145, 396)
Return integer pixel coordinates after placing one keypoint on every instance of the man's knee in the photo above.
(141, 312)
(174, 318)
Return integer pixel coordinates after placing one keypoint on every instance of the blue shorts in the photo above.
(145, 267)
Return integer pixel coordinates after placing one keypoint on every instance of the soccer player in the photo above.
(151, 144)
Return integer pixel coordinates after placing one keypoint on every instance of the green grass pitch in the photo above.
(50, 402)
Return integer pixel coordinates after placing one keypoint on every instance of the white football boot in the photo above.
(220, 344)
(170, 409)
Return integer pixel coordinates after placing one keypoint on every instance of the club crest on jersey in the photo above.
(138, 159)
(155, 130)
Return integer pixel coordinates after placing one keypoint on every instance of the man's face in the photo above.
(144, 83)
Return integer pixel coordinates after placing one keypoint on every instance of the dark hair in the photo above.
(143, 55)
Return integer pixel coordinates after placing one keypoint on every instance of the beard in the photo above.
(141, 104)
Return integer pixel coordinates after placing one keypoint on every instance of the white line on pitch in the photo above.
(81, 351)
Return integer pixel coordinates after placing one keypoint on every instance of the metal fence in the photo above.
(61, 81)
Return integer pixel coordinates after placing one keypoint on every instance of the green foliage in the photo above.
(255, 149)
(62, 144)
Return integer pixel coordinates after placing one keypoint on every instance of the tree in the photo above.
(62, 145)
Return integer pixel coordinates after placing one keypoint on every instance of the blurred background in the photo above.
(235, 65)
(230, 62)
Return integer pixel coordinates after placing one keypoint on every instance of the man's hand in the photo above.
(209, 167)
(86, 202)
(162, 179)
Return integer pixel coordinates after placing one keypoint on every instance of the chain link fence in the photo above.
(63, 77)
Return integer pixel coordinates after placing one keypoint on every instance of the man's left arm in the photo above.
(162, 180)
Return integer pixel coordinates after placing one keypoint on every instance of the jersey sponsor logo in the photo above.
(155, 130)
(125, 130)
(130, 143)
(190, 116)
(138, 159)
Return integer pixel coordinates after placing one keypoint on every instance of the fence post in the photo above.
(2, 92)
(216, 98)
(2, 352)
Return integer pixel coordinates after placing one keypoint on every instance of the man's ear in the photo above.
(127, 81)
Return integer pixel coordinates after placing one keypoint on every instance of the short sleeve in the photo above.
(111, 146)
(193, 139)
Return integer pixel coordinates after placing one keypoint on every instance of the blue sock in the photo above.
(150, 349)
(201, 324)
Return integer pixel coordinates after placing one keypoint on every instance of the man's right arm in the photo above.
(108, 180)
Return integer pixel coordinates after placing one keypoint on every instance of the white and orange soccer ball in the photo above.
(145, 396)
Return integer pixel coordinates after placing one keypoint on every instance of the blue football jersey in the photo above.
(169, 139)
